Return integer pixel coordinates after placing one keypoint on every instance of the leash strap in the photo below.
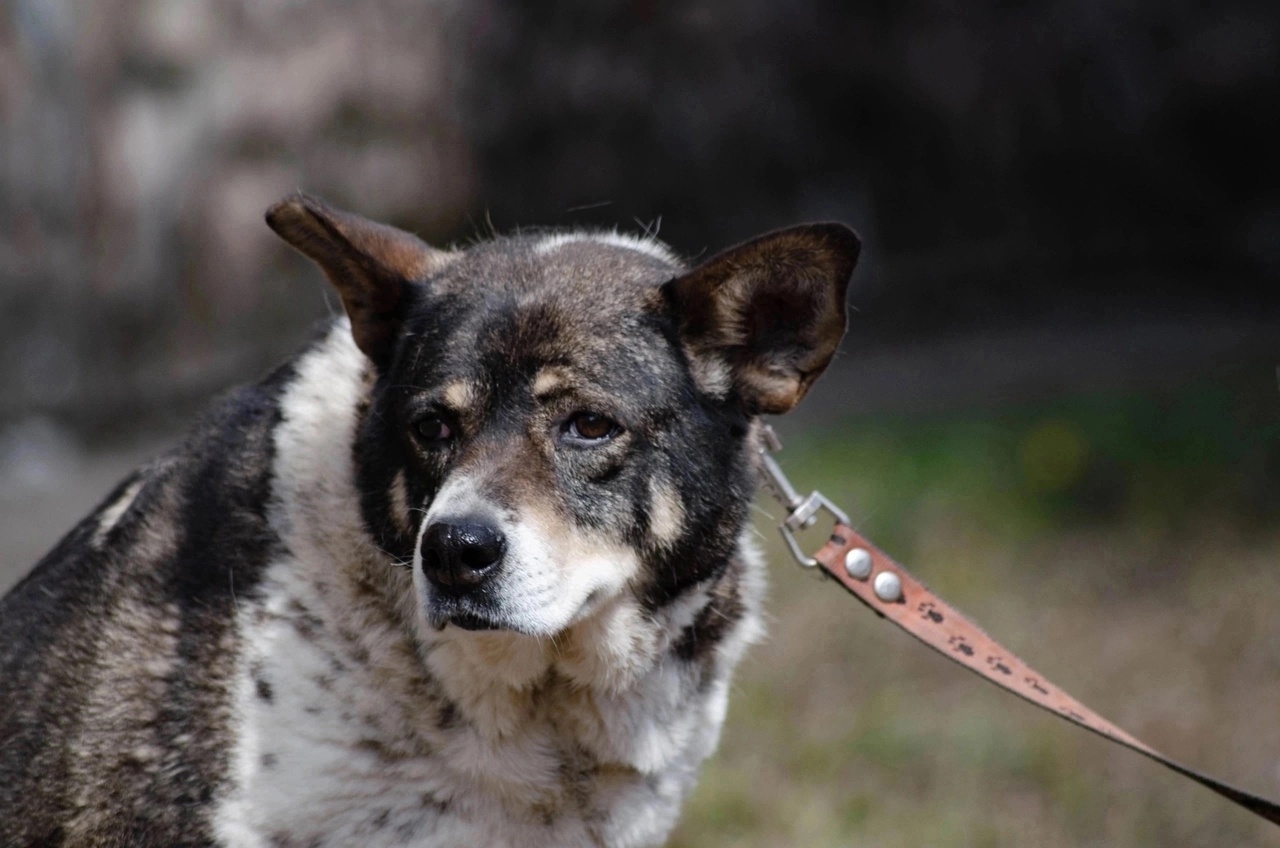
(891, 592)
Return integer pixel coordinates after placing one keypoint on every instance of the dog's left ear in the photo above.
(770, 310)
(370, 264)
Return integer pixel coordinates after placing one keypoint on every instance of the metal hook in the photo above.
(802, 512)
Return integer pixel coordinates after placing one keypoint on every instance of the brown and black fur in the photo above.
(277, 579)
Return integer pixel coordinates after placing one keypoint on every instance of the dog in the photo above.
(472, 569)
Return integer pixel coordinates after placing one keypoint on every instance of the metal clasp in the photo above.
(802, 512)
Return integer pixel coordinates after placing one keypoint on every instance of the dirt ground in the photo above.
(844, 731)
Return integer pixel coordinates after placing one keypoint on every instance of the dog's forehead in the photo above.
(584, 301)
(614, 266)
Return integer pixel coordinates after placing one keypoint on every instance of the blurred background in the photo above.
(1058, 400)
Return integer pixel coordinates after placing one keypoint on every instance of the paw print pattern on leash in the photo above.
(930, 612)
(960, 645)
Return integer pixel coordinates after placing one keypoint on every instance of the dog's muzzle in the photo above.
(458, 559)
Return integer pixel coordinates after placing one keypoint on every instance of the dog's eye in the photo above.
(591, 427)
(433, 430)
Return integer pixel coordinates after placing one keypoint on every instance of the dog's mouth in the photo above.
(482, 610)
(467, 621)
(441, 612)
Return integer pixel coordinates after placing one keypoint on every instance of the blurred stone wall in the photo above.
(1056, 161)
(140, 142)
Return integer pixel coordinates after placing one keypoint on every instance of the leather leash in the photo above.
(891, 592)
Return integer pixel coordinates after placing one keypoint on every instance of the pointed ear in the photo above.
(769, 312)
(370, 264)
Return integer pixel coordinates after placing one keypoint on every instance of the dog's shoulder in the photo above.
(129, 608)
(224, 462)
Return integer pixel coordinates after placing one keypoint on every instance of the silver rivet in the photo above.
(858, 563)
(888, 587)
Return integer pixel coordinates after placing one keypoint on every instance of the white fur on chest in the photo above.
(325, 757)
(305, 762)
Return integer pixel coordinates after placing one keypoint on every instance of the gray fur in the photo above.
(240, 647)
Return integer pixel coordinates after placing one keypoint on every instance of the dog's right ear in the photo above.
(769, 313)
(370, 264)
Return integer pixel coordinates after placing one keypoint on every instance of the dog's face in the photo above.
(561, 420)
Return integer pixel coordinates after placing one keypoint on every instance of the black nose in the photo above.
(460, 555)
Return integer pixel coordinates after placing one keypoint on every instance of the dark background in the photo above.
(1059, 386)
(1100, 172)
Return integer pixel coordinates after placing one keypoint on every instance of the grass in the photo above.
(1126, 546)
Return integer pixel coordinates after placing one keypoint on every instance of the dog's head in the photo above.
(561, 419)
